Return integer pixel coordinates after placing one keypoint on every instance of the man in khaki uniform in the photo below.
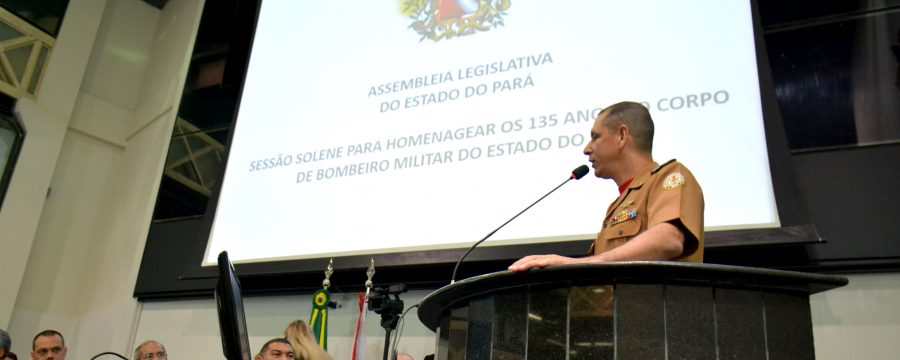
(659, 212)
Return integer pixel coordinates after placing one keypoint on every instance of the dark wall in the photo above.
(854, 204)
(853, 196)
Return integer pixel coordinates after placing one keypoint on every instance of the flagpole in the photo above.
(359, 348)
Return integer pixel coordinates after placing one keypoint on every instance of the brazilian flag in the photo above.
(318, 320)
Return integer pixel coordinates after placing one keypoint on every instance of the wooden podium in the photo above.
(627, 310)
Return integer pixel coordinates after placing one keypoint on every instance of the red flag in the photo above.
(359, 342)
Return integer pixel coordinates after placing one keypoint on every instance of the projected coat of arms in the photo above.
(445, 19)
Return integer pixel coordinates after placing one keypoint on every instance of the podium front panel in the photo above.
(509, 339)
(690, 323)
(627, 311)
(481, 328)
(786, 322)
(591, 333)
(547, 325)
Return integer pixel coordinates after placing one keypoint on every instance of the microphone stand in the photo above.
(578, 173)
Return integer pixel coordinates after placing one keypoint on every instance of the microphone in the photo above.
(578, 173)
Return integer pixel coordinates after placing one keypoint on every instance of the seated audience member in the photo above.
(48, 345)
(276, 349)
(5, 343)
(11, 356)
(305, 345)
(149, 350)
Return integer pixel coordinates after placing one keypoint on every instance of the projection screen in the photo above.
(387, 126)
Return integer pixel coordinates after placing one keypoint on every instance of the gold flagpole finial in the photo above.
(328, 271)
(370, 273)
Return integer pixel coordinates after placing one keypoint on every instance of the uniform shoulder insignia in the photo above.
(673, 180)
(658, 168)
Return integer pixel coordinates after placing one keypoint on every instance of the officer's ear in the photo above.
(622, 135)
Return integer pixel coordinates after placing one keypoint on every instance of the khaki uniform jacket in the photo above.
(660, 193)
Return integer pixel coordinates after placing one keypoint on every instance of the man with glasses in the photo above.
(48, 345)
(149, 350)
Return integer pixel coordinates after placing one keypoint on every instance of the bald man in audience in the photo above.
(150, 350)
(48, 345)
(276, 349)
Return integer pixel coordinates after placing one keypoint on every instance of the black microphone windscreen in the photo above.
(580, 172)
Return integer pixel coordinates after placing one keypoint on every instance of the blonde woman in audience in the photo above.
(304, 343)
